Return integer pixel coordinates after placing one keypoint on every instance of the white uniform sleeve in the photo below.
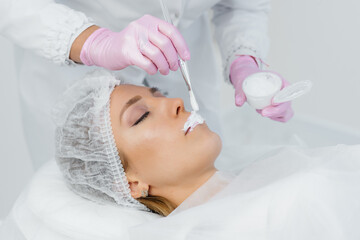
(42, 26)
(241, 29)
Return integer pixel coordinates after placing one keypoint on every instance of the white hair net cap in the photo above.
(86, 152)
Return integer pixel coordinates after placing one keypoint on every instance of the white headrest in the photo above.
(50, 210)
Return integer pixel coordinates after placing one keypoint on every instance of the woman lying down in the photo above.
(131, 146)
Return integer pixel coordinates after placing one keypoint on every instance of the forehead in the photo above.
(126, 91)
(131, 89)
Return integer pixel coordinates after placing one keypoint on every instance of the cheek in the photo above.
(147, 148)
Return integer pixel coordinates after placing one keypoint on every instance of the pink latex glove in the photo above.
(149, 43)
(241, 68)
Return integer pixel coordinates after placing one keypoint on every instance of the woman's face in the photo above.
(155, 150)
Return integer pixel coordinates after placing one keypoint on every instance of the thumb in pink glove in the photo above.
(240, 69)
(149, 43)
(243, 67)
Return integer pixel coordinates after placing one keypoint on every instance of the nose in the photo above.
(176, 106)
(170, 107)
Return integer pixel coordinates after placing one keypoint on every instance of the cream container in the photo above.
(260, 88)
(263, 89)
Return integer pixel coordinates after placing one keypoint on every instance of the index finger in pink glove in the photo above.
(154, 54)
(163, 36)
(163, 42)
(160, 42)
(176, 38)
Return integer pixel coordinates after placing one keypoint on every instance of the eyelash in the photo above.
(145, 115)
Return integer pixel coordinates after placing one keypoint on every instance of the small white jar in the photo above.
(260, 88)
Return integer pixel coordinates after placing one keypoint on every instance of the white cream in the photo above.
(193, 101)
(193, 120)
(260, 88)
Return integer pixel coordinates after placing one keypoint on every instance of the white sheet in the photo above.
(48, 210)
(295, 194)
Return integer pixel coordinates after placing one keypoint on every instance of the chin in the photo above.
(217, 142)
(212, 145)
(205, 147)
(206, 142)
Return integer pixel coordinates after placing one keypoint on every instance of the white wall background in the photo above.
(15, 166)
(310, 39)
(319, 40)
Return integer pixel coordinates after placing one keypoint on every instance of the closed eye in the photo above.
(145, 115)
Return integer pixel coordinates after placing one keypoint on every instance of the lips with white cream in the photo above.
(193, 120)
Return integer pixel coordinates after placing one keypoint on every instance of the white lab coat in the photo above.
(44, 31)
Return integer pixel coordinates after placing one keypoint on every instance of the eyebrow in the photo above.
(136, 99)
(153, 90)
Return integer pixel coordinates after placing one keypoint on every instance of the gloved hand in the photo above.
(149, 43)
(241, 68)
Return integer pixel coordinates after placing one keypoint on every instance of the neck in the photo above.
(179, 193)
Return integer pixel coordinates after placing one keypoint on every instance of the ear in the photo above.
(136, 186)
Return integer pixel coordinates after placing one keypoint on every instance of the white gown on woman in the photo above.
(296, 194)
(44, 30)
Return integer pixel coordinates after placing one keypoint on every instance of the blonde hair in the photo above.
(157, 204)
